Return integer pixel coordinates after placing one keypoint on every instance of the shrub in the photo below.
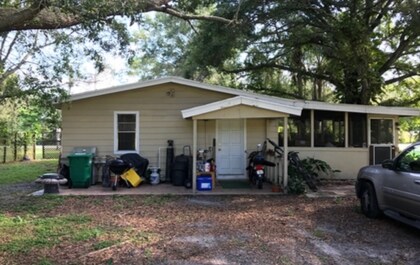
(318, 167)
(315, 167)
(296, 183)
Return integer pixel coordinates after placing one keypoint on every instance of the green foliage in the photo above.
(315, 167)
(351, 46)
(29, 232)
(33, 205)
(46, 48)
(406, 93)
(296, 183)
(105, 244)
(161, 44)
(412, 127)
(318, 167)
(301, 49)
(28, 171)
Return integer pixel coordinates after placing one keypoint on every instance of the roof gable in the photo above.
(241, 100)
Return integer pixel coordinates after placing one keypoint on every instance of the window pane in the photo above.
(329, 129)
(410, 161)
(357, 130)
(126, 118)
(126, 141)
(300, 129)
(381, 131)
(126, 125)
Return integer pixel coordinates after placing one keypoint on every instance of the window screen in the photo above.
(381, 131)
(357, 130)
(329, 129)
(126, 131)
(300, 129)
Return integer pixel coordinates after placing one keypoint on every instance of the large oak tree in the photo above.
(356, 47)
(43, 40)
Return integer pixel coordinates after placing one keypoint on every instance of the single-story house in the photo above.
(142, 117)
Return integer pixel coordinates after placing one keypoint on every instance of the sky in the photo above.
(115, 74)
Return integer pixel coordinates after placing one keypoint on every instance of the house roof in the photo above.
(248, 96)
(241, 100)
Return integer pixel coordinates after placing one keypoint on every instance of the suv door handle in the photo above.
(417, 182)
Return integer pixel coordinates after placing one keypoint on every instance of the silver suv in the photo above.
(392, 188)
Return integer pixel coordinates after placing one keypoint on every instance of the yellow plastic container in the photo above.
(132, 177)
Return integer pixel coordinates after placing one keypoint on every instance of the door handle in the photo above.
(417, 182)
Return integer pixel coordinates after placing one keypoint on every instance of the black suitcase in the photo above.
(182, 168)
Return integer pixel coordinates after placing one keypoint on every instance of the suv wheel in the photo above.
(369, 202)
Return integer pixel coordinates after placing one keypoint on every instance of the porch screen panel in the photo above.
(329, 129)
(126, 132)
(299, 130)
(357, 130)
(381, 131)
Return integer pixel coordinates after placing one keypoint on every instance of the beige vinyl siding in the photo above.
(240, 112)
(255, 133)
(258, 130)
(206, 133)
(272, 130)
(90, 122)
(347, 160)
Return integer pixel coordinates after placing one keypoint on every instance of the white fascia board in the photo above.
(268, 105)
(115, 89)
(154, 82)
(241, 100)
(368, 109)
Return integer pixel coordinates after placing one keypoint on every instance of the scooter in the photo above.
(256, 172)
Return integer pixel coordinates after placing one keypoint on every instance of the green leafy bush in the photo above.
(315, 167)
(296, 183)
(318, 167)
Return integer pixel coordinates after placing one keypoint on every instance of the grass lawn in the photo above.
(54, 229)
(18, 172)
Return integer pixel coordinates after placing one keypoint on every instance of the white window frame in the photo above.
(374, 117)
(137, 144)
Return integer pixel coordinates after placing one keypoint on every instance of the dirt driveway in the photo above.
(229, 230)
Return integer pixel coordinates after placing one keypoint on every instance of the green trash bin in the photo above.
(80, 169)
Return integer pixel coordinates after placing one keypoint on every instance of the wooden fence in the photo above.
(45, 149)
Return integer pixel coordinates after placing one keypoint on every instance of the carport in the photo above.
(241, 108)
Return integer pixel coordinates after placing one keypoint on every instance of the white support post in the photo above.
(194, 152)
(346, 132)
(285, 148)
(312, 128)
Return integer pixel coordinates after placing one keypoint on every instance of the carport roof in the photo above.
(244, 101)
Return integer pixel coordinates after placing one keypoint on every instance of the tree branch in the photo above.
(404, 42)
(13, 16)
(55, 17)
(9, 51)
(384, 11)
(18, 65)
(181, 15)
(400, 78)
(3, 43)
(286, 68)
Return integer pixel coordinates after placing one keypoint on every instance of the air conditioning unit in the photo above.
(380, 152)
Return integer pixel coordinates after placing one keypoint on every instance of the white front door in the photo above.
(230, 147)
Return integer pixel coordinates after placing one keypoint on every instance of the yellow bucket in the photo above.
(132, 177)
